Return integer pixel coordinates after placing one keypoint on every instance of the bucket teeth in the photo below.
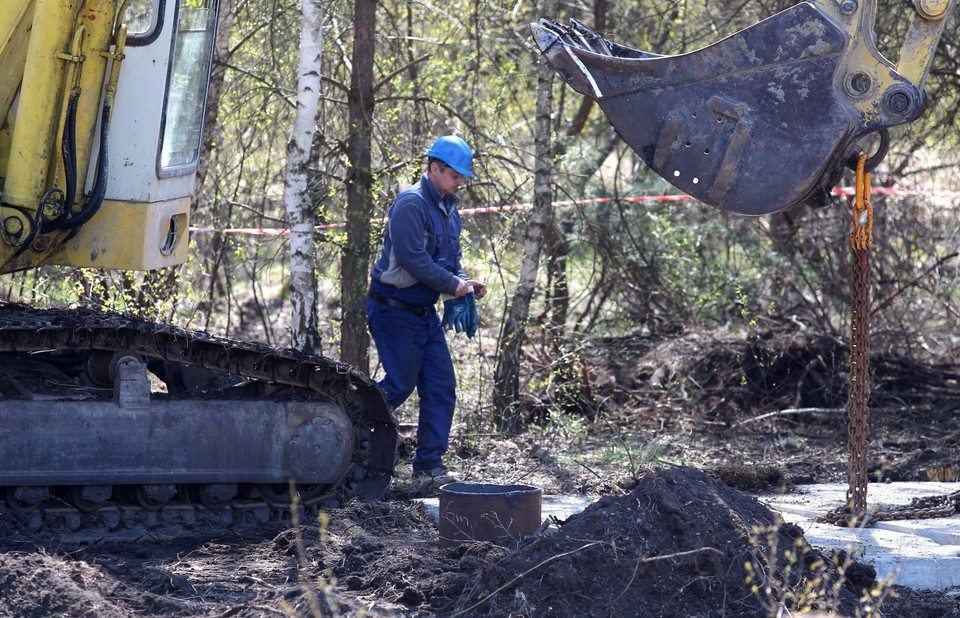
(591, 41)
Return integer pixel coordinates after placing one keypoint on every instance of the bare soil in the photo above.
(672, 435)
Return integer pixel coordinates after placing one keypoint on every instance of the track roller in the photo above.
(147, 497)
(214, 495)
(26, 499)
(90, 498)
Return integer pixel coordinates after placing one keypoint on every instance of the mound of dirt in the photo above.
(679, 544)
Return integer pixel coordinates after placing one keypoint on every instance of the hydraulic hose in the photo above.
(95, 201)
(69, 147)
(34, 224)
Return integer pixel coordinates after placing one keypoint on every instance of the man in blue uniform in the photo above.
(419, 262)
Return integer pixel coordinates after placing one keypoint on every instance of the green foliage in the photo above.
(794, 579)
(146, 294)
(469, 67)
(631, 451)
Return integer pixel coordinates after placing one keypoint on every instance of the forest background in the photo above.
(580, 260)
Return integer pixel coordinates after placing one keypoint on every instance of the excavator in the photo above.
(714, 122)
(102, 104)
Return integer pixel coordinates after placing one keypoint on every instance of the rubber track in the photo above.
(27, 329)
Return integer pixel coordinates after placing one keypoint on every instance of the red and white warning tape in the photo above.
(842, 191)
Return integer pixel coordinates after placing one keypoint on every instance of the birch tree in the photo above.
(507, 372)
(299, 208)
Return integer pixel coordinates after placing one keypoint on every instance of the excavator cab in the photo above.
(765, 119)
(101, 106)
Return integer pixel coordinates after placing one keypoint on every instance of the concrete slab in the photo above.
(919, 553)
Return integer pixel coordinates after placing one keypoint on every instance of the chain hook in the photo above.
(862, 235)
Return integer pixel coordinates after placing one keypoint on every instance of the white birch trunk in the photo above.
(507, 371)
(300, 211)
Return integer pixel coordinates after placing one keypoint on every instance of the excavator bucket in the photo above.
(756, 123)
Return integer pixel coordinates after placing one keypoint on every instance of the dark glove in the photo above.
(473, 320)
(456, 313)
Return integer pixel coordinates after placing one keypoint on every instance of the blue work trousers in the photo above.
(414, 354)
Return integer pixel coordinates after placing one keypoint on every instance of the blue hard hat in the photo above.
(454, 152)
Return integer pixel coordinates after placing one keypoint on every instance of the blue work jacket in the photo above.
(421, 252)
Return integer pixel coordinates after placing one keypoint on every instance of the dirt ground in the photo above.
(668, 434)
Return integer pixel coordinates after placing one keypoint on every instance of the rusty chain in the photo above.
(855, 512)
(857, 410)
(926, 507)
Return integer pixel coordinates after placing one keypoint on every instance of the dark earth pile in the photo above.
(677, 545)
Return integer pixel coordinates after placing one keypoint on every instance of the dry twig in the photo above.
(790, 411)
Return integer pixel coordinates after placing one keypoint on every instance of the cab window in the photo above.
(187, 86)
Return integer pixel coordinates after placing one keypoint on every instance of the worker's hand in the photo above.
(478, 288)
(456, 313)
(463, 288)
